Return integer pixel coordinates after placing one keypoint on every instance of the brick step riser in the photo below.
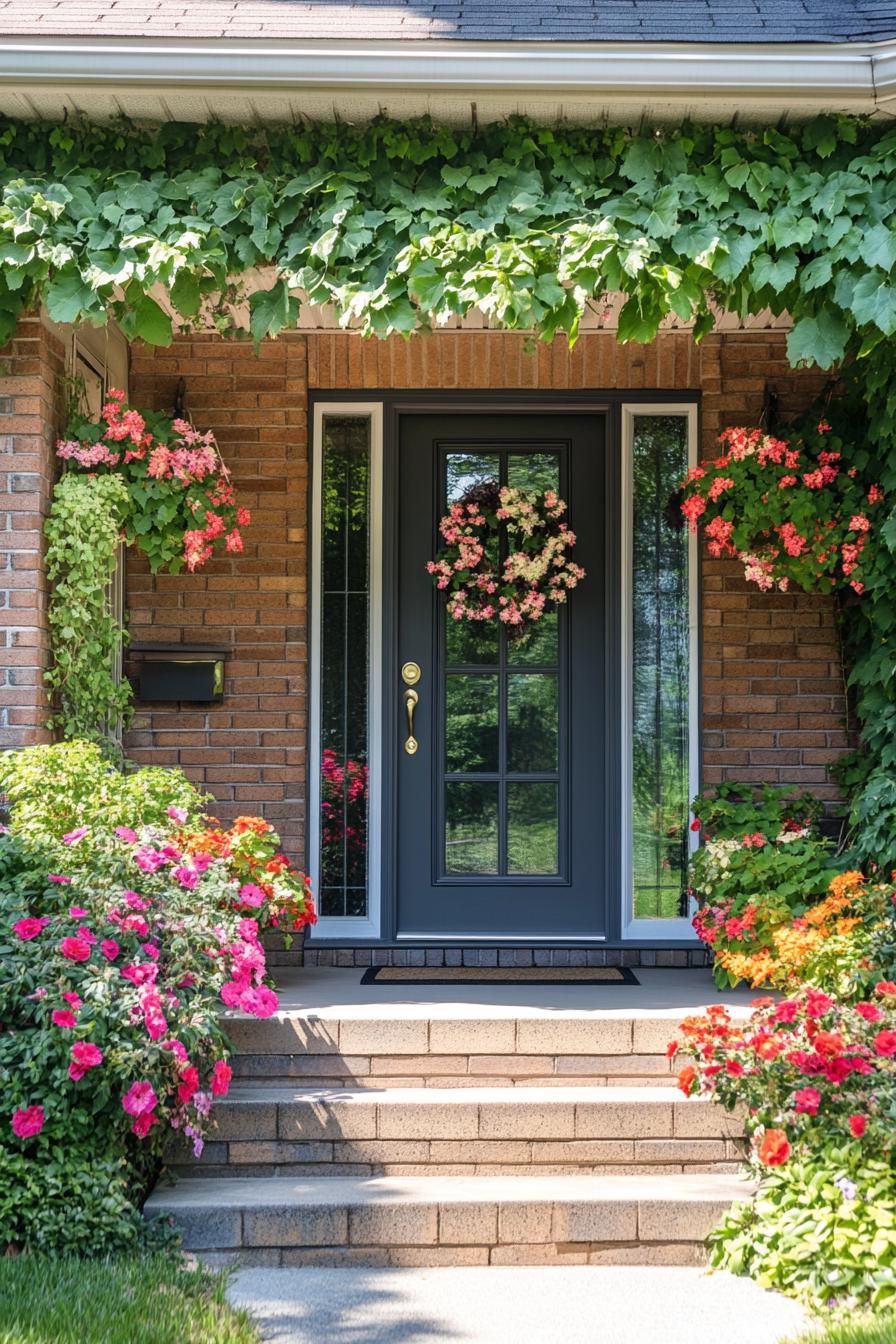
(623, 1232)
(302, 1169)
(455, 1071)
(366, 1039)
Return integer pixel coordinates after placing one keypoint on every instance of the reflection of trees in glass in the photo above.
(343, 654)
(660, 677)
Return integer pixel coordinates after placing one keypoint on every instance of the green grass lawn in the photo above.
(879, 1331)
(151, 1300)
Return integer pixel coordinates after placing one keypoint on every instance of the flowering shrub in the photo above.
(761, 867)
(818, 1080)
(791, 511)
(182, 502)
(535, 573)
(121, 941)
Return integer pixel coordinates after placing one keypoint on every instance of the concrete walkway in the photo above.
(512, 1306)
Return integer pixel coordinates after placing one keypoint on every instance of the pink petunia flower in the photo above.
(85, 1055)
(28, 1121)
(125, 833)
(75, 949)
(74, 836)
(72, 999)
(252, 895)
(140, 1098)
(65, 1018)
(30, 927)
(109, 949)
(178, 814)
(78, 912)
(58, 877)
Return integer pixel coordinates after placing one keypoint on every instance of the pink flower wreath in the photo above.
(535, 572)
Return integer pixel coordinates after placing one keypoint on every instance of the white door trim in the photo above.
(661, 930)
(338, 926)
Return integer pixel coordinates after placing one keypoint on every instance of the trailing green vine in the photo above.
(82, 531)
(402, 225)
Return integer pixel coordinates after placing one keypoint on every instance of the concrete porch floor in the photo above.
(660, 993)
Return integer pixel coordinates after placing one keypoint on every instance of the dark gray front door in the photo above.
(504, 813)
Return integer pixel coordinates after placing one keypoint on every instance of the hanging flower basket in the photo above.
(506, 557)
(181, 503)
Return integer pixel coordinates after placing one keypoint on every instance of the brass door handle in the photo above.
(410, 704)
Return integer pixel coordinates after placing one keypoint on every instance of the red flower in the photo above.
(189, 1084)
(774, 1149)
(858, 1124)
(886, 988)
(829, 1043)
(817, 1003)
(870, 1012)
(807, 1101)
(221, 1076)
(885, 1043)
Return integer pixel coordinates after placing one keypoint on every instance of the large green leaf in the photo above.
(820, 339)
(271, 310)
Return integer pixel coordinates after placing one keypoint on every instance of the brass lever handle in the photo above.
(410, 704)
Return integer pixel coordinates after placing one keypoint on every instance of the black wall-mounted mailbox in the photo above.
(192, 673)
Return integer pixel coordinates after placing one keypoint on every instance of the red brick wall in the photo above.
(773, 696)
(31, 367)
(250, 750)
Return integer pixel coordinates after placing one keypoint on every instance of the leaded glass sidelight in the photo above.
(344, 651)
(660, 668)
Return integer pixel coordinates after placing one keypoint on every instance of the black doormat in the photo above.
(499, 975)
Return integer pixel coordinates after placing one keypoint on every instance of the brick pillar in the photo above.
(30, 368)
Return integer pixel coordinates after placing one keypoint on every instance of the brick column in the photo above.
(30, 368)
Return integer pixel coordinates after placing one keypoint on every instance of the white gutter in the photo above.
(832, 74)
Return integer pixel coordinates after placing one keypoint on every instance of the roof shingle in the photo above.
(758, 21)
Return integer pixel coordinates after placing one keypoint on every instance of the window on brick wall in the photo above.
(346, 650)
(659, 675)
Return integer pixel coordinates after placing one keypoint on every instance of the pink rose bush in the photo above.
(113, 985)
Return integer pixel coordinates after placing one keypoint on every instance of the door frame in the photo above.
(385, 409)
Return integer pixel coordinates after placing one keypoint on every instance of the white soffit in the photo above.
(255, 80)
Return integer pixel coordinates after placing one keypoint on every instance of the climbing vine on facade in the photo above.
(153, 483)
(82, 532)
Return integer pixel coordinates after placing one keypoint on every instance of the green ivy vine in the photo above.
(82, 532)
(402, 225)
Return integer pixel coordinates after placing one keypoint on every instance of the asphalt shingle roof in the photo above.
(765, 21)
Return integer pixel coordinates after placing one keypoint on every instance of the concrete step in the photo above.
(409, 1045)
(465, 1131)
(438, 1220)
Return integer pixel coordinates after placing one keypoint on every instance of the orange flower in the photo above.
(774, 1149)
(687, 1078)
